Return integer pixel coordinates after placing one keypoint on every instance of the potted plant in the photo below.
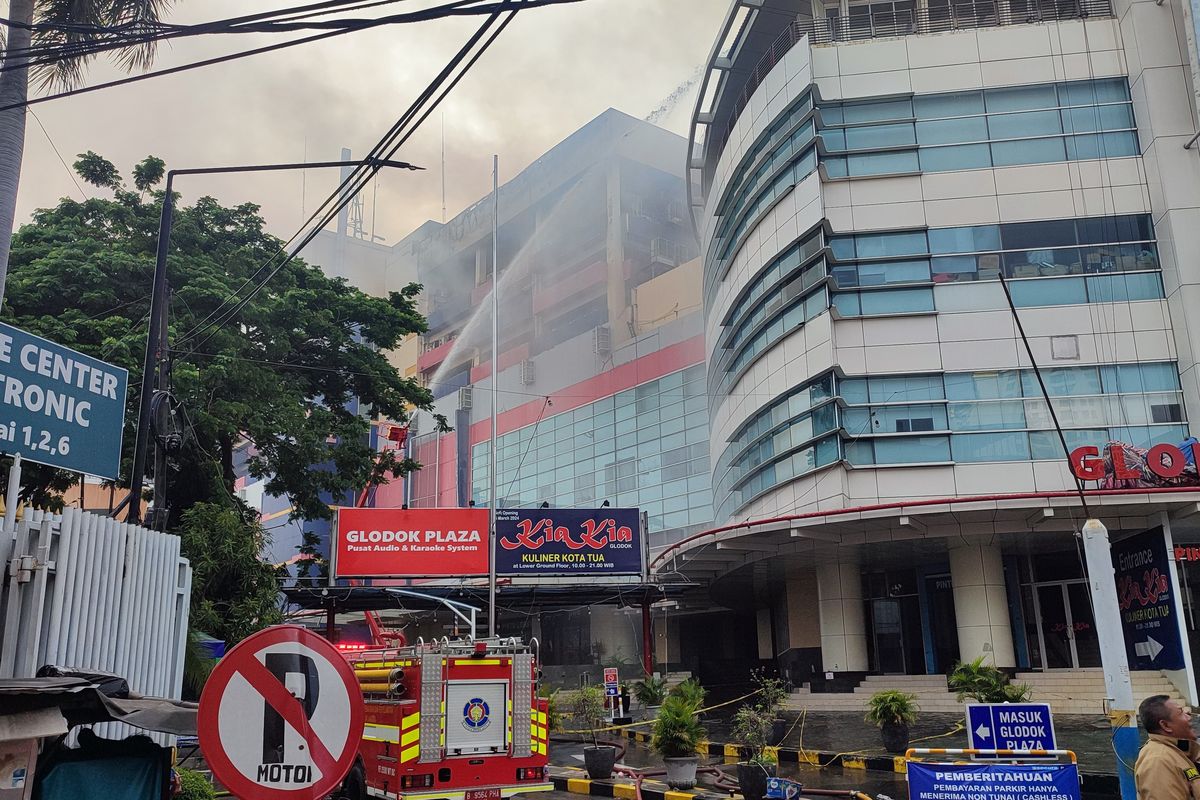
(985, 683)
(676, 735)
(893, 711)
(772, 693)
(751, 728)
(690, 692)
(650, 691)
(587, 705)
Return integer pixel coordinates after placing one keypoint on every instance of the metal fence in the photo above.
(936, 17)
(89, 592)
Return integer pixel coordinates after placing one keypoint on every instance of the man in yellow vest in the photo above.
(1166, 768)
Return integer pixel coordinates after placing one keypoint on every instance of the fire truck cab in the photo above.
(451, 720)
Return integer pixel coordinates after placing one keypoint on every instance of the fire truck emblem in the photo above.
(476, 714)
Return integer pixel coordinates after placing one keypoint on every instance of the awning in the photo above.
(81, 702)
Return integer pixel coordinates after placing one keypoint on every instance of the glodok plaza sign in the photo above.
(1123, 466)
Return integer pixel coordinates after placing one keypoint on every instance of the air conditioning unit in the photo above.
(601, 340)
(465, 398)
(527, 374)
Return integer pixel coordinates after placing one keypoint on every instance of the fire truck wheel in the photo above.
(354, 787)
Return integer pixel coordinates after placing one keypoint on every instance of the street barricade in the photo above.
(1002, 776)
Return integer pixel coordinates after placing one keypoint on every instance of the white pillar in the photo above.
(981, 604)
(843, 634)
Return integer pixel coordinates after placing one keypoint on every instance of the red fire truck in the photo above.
(450, 720)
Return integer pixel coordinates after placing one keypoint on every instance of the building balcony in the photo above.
(937, 16)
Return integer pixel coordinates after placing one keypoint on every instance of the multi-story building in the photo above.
(601, 388)
(891, 490)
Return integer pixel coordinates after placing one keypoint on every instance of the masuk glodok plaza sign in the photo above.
(1123, 466)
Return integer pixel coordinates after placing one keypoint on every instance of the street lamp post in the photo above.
(155, 364)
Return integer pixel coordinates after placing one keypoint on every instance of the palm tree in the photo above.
(66, 72)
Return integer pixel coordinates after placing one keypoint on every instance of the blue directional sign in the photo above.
(611, 691)
(1016, 781)
(1010, 726)
(59, 407)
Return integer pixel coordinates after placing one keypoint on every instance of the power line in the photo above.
(70, 171)
(392, 141)
(451, 9)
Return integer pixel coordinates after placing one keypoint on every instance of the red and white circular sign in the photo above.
(281, 716)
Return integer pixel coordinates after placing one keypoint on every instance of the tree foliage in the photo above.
(234, 592)
(289, 382)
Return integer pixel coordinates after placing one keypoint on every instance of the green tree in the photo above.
(234, 592)
(292, 379)
(59, 73)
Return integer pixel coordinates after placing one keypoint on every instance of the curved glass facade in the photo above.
(780, 157)
(956, 417)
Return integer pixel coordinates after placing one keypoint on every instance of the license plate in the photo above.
(482, 794)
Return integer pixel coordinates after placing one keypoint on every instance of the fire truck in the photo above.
(450, 720)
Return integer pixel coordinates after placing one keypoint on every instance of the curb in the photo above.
(626, 791)
(1092, 782)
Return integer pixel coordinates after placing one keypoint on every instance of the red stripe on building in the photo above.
(641, 370)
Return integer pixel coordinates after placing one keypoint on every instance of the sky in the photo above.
(550, 72)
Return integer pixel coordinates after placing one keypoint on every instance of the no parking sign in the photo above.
(281, 716)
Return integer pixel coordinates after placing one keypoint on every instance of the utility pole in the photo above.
(1118, 687)
(156, 365)
(495, 394)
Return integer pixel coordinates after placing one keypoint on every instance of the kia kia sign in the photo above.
(59, 407)
(564, 541)
(1149, 615)
(411, 543)
(281, 716)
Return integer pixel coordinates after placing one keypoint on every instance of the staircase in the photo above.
(1081, 691)
(932, 694)
(1078, 691)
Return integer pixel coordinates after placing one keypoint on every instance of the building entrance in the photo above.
(1065, 626)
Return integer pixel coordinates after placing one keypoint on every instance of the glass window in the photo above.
(1021, 98)
(883, 273)
(904, 389)
(983, 385)
(912, 450)
(952, 131)
(1122, 288)
(897, 301)
(1103, 145)
(871, 137)
(950, 104)
(1063, 381)
(1049, 292)
(891, 244)
(1028, 151)
(964, 240)
(990, 447)
(1016, 126)
(877, 111)
(882, 163)
(1086, 93)
(948, 159)
(1045, 445)
(853, 390)
(1028, 235)
(842, 247)
(902, 419)
(986, 416)
(1097, 118)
